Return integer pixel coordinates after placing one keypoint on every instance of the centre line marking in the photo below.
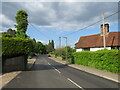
(75, 83)
(57, 70)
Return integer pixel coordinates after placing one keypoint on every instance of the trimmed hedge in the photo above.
(12, 47)
(106, 60)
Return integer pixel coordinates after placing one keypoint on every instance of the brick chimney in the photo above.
(106, 29)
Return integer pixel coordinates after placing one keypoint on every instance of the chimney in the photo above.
(106, 29)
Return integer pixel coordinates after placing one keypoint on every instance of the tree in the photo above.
(50, 46)
(62, 53)
(52, 43)
(22, 23)
(9, 33)
(34, 40)
(40, 48)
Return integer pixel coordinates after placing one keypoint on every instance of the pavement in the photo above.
(103, 74)
(47, 73)
(7, 77)
(31, 62)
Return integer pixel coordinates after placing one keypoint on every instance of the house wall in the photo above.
(93, 49)
(79, 50)
(100, 48)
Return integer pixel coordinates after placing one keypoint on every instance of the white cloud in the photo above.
(60, 0)
(63, 16)
(6, 21)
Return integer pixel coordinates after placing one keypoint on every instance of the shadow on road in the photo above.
(38, 67)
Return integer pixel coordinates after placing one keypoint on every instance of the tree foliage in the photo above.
(66, 51)
(50, 46)
(22, 23)
(40, 48)
(9, 33)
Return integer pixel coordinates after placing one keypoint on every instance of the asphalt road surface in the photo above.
(47, 73)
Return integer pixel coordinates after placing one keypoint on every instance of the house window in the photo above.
(86, 49)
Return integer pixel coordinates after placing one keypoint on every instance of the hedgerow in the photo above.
(106, 60)
(12, 47)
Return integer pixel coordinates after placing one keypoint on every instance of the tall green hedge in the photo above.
(12, 47)
(106, 60)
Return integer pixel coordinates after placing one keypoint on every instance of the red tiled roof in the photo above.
(112, 39)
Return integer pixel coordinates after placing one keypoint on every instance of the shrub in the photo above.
(103, 59)
(16, 46)
(62, 53)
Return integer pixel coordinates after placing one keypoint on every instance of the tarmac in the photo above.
(104, 74)
(7, 77)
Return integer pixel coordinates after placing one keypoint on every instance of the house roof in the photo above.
(112, 39)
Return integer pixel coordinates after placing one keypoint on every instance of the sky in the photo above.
(51, 20)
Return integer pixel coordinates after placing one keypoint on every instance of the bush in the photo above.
(12, 47)
(103, 59)
(62, 53)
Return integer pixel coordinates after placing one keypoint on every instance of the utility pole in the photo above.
(66, 47)
(104, 39)
(59, 42)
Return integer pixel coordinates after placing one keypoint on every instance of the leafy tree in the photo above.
(34, 40)
(62, 53)
(9, 33)
(52, 43)
(50, 46)
(22, 23)
(39, 48)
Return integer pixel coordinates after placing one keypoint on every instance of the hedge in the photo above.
(16, 46)
(106, 60)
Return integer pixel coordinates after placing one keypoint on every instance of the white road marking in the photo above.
(55, 68)
(75, 83)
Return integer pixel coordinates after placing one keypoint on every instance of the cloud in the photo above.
(63, 16)
(60, 0)
(6, 22)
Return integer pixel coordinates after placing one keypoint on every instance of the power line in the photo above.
(39, 30)
(91, 24)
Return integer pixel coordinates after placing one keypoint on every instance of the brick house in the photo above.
(95, 42)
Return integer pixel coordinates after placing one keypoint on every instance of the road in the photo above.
(47, 73)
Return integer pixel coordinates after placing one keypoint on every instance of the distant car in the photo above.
(49, 55)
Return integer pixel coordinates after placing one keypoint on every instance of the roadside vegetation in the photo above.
(106, 60)
(65, 53)
(18, 43)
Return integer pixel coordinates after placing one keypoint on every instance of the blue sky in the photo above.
(41, 34)
(51, 20)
